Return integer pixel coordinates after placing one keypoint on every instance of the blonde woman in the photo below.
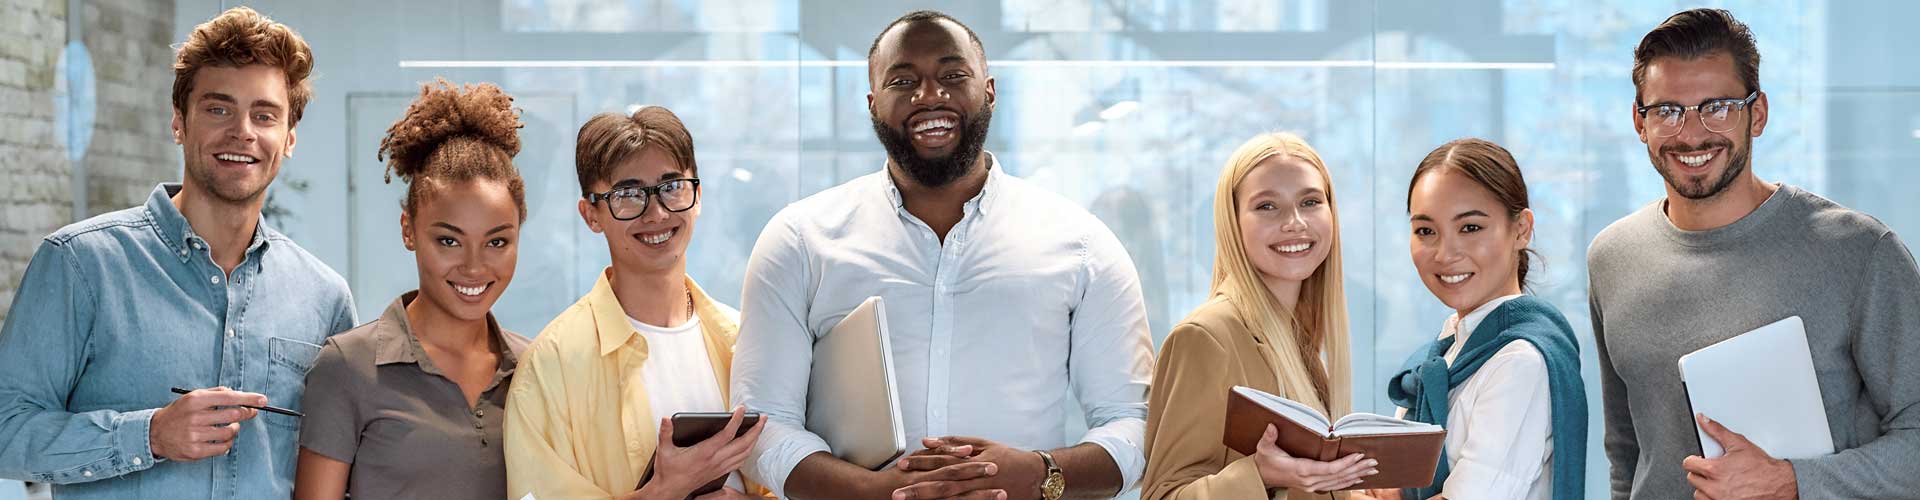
(1276, 321)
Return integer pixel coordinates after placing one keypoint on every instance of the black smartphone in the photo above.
(690, 428)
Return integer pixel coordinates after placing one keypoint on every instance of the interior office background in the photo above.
(1128, 107)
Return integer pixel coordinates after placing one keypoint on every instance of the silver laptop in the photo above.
(1760, 384)
(851, 401)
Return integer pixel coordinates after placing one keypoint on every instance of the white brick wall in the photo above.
(131, 150)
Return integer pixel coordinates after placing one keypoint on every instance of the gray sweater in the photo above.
(1658, 292)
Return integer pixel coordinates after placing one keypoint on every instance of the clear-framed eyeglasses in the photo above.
(1717, 115)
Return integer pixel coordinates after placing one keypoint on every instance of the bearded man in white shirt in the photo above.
(1002, 301)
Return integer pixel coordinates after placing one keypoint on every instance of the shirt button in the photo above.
(86, 473)
(229, 333)
(480, 413)
(214, 279)
(136, 460)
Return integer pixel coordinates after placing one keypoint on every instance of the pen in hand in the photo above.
(275, 409)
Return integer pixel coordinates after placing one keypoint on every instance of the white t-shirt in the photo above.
(679, 375)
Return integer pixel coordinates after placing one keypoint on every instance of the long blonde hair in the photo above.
(1322, 308)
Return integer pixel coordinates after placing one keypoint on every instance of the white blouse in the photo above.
(1500, 422)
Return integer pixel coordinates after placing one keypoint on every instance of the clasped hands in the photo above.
(966, 468)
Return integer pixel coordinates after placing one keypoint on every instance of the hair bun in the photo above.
(442, 113)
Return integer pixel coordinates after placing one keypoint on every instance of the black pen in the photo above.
(275, 409)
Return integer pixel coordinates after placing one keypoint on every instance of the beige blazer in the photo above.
(1207, 354)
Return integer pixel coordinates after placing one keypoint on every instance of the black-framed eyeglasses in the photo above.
(1717, 115)
(628, 202)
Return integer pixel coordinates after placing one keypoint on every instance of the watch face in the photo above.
(1054, 486)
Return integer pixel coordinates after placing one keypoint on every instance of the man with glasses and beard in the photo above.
(1724, 253)
(991, 284)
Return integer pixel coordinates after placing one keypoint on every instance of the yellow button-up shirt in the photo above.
(579, 425)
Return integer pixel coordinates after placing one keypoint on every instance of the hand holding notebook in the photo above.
(1407, 451)
(1278, 469)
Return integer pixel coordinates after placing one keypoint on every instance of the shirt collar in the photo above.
(979, 202)
(1473, 319)
(178, 233)
(610, 320)
(394, 341)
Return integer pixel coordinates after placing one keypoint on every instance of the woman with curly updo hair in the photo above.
(412, 405)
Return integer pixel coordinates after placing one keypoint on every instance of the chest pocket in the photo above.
(288, 361)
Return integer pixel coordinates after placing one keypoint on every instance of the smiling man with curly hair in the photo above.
(191, 290)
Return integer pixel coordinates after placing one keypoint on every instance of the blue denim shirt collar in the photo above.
(178, 233)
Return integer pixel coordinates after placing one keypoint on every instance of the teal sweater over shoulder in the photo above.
(1424, 382)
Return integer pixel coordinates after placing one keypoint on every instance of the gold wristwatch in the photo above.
(1055, 485)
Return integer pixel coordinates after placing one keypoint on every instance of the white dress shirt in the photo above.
(1500, 422)
(1030, 300)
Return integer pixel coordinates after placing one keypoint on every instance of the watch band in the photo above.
(1054, 485)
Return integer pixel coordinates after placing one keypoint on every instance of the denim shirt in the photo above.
(116, 310)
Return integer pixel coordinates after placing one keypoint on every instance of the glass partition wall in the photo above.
(1128, 107)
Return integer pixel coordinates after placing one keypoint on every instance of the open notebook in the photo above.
(1408, 451)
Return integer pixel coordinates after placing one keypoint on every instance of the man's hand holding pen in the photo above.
(201, 424)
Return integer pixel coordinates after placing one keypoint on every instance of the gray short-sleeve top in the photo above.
(375, 400)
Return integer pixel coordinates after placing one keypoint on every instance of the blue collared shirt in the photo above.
(116, 310)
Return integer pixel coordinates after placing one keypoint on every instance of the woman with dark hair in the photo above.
(412, 405)
(1504, 375)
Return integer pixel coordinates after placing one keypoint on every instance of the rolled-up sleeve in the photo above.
(43, 348)
(1111, 362)
(773, 359)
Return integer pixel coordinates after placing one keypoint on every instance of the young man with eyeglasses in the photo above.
(1724, 253)
(588, 413)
